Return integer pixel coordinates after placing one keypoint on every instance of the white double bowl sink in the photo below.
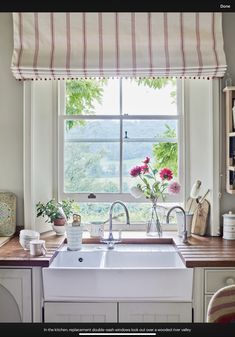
(137, 272)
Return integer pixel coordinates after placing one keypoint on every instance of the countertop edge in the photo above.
(197, 252)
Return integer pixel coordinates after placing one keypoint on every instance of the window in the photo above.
(107, 126)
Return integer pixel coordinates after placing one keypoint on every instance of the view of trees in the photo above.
(94, 166)
(166, 154)
(80, 97)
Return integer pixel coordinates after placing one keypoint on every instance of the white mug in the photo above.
(97, 229)
(37, 247)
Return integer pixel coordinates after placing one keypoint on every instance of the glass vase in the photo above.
(154, 227)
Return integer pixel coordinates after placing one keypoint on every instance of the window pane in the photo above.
(92, 97)
(92, 148)
(139, 98)
(137, 147)
(139, 214)
(135, 153)
(92, 129)
(149, 129)
(91, 167)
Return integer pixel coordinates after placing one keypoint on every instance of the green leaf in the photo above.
(149, 176)
(146, 182)
(166, 154)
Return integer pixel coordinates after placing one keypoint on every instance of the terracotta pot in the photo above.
(59, 226)
(59, 222)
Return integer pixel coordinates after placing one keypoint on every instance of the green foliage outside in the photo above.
(81, 96)
(83, 167)
(166, 154)
(80, 162)
(158, 83)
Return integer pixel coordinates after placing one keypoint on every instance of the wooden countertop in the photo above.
(12, 254)
(207, 252)
(198, 252)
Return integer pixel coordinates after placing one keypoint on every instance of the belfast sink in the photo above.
(78, 259)
(142, 260)
(137, 272)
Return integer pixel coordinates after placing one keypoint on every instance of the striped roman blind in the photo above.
(75, 45)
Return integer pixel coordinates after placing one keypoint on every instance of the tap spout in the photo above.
(111, 241)
(185, 234)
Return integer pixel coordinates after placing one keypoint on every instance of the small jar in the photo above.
(229, 226)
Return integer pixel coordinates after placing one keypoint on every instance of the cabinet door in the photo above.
(15, 293)
(207, 300)
(80, 312)
(218, 278)
(155, 312)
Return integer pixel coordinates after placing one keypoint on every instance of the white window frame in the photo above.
(125, 197)
(202, 108)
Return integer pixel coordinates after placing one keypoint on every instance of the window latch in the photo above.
(91, 196)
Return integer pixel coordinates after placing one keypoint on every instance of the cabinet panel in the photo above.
(206, 303)
(80, 312)
(15, 293)
(155, 312)
(216, 279)
(10, 306)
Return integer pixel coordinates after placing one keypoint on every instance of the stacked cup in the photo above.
(74, 233)
(27, 235)
(74, 237)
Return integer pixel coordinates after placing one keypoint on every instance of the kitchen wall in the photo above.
(11, 119)
(11, 115)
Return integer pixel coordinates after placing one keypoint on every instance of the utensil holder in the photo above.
(180, 223)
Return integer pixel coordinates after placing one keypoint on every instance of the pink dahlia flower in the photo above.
(135, 171)
(174, 187)
(166, 173)
(144, 168)
(146, 160)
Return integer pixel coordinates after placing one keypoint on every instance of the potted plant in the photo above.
(56, 212)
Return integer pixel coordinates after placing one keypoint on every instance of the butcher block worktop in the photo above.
(12, 254)
(198, 252)
(208, 252)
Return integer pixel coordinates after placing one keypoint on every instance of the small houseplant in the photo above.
(56, 212)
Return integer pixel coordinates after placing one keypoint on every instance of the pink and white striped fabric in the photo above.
(221, 308)
(75, 45)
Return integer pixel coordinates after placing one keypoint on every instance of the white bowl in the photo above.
(28, 232)
(27, 235)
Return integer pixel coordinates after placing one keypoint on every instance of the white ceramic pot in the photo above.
(59, 229)
(59, 226)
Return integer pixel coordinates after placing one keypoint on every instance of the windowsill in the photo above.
(168, 237)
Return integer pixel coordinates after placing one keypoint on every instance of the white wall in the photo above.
(11, 119)
(40, 146)
(201, 101)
